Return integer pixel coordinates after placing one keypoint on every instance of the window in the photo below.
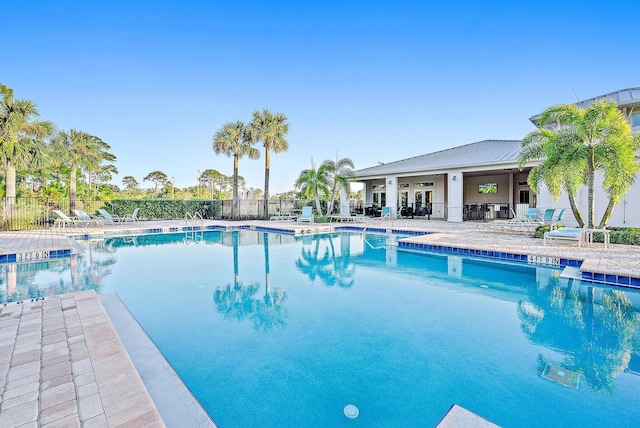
(430, 184)
(635, 120)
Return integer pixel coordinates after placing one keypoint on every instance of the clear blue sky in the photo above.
(375, 81)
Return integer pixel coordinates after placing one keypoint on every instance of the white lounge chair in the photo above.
(64, 220)
(567, 234)
(83, 216)
(131, 217)
(109, 218)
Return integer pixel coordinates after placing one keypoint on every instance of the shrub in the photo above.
(165, 209)
(619, 235)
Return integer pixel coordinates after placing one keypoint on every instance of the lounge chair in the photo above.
(282, 216)
(131, 217)
(547, 218)
(307, 215)
(386, 213)
(567, 234)
(557, 219)
(108, 217)
(347, 218)
(83, 216)
(64, 220)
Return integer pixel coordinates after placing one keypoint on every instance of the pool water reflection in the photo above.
(276, 330)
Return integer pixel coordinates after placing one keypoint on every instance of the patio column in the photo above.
(455, 196)
(392, 194)
(344, 202)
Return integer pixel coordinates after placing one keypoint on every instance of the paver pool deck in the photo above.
(62, 362)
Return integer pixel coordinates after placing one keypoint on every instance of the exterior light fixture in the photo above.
(453, 178)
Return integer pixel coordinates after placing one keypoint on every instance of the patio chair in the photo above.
(386, 213)
(83, 216)
(131, 217)
(547, 218)
(64, 220)
(567, 234)
(307, 215)
(557, 219)
(532, 215)
(109, 217)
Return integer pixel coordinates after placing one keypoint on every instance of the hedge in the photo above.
(619, 235)
(165, 209)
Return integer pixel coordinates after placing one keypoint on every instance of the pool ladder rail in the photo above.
(196, 215)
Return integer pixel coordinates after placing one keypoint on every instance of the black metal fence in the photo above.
(37, 213)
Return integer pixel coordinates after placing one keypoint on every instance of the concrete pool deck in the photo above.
(47, 381)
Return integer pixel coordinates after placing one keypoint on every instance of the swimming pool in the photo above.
(276, 330)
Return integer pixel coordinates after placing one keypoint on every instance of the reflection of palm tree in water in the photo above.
(331, 269)
(597, 340)
(237, 301)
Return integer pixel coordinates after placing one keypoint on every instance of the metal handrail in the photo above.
(193, 218)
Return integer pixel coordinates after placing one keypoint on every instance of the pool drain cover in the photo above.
(351, 411)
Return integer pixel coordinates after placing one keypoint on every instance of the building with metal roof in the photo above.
(479, 180)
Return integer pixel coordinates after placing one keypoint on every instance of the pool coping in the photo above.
(176, 404)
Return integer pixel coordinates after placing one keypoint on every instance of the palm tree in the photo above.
(313, 183)
(233, 140)
(339, 172)
(595, 138)
(21, 138)
(558, 171)
(77, 150)
(271, 129)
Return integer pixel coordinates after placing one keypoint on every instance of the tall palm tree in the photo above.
(558, 171)
(314, 183)
(339, 173)
(233, 140)
(78, 150)
(595, 138)
(271, 129)
(21, 137)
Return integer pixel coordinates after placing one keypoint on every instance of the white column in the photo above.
(344, 202)
(392, 194)
(455, 195)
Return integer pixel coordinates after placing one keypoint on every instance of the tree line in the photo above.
(39, 160)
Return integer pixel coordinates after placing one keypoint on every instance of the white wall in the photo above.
(625, 214)
(455, 196)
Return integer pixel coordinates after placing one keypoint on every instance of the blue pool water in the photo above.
(273, 330)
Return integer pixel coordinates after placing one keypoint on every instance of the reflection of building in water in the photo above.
(590, 332)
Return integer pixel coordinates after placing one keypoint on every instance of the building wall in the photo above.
(472, 195)
(625, 214)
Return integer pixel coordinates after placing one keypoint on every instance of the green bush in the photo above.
(321, 219)
(164, 209)
(621, 235)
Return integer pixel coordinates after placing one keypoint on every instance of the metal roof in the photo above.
(485, 152)
(623, 97)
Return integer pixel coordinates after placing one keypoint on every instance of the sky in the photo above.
(374, 81)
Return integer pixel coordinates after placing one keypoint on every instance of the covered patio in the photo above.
(477, 181)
